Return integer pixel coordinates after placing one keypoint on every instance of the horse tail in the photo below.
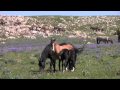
(80, 50)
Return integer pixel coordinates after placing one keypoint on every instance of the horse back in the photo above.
(62, 44)
(67, 46)
(60, 47)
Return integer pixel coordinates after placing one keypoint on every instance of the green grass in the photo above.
(24, 65)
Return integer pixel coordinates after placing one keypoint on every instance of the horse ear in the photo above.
(53, 39)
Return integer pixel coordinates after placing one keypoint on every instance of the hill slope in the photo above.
(44, 26)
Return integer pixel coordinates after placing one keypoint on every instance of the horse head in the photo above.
(44, 55)
(52, 43)
(52, 40)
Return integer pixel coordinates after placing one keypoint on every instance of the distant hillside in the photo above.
(45, 26)
(79, 23)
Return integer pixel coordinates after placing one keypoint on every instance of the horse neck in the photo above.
(44, 54)
(56, 47)
(43, 58)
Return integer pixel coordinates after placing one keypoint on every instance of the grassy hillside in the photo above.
(96, 62)
(45, 24)
(79, 22)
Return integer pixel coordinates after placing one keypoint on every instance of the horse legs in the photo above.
(73, 63)
(54, 65)
(73, 66)
(98, 41)
(118, 38)
(62, 65)
(59, 64)
(66, 64)
(50, 66)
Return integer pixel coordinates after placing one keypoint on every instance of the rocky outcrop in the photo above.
(12, 27)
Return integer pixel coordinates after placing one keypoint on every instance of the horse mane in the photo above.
(65, 43)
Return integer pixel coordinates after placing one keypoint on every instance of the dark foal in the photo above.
(69, 58)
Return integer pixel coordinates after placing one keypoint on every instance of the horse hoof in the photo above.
(63, 71)
(73, 69)
(66, 69)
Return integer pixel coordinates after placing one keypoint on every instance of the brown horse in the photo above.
(104, 39)
(66, 48)
(59, 47)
